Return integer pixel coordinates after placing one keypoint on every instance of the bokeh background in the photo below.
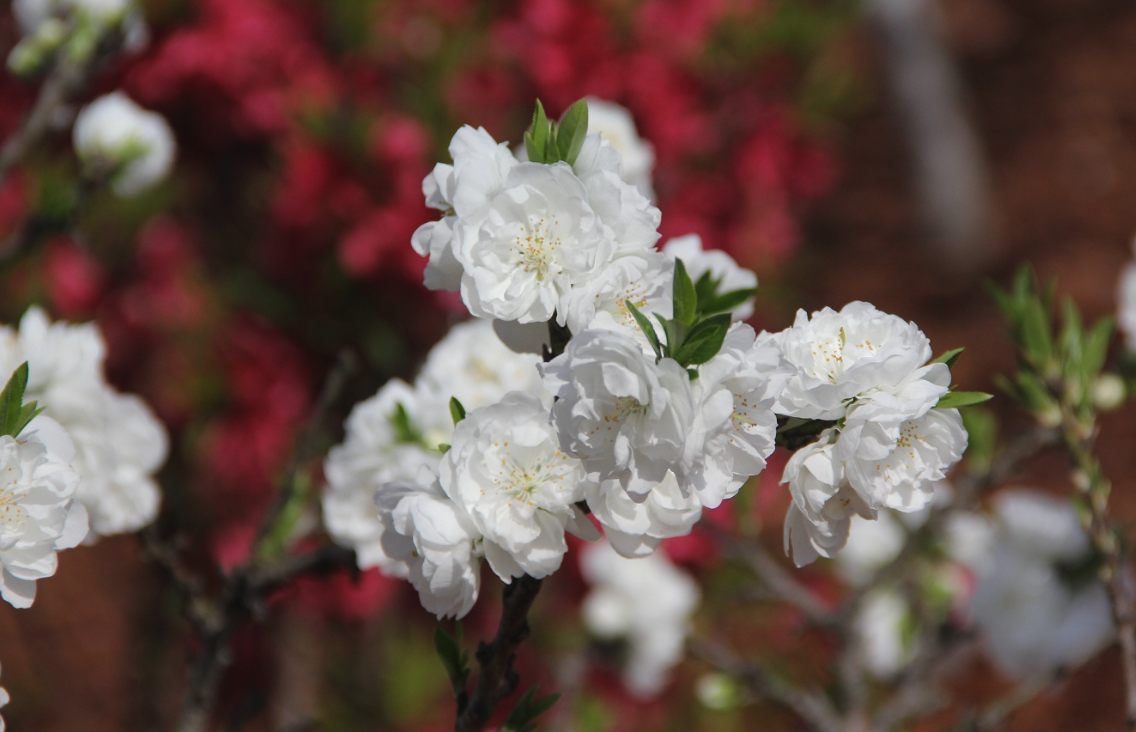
(783, 134)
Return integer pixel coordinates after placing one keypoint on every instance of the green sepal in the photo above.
(957, 399)
(457, 411)
(571, 132)
(523, 716)
(949, 357)
(454, 658)
(685, 297)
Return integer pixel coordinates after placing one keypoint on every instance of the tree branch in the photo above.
(497, 679)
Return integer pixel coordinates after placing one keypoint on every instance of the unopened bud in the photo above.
(1109, 392)
(718, 691)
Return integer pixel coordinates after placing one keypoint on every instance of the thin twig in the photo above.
(1094, 489)
(811, 706)
(780, 583)
(246, 586)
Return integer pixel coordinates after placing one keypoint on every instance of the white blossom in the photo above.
(119, 443)
(858, 354)
(624, 416)
(462, 190)
(735, 429)
(871, 545)
(601, 302)
(649, 603)
(903, 479)
(614, 124)
(538, 238)
(505, 470)
(1039, 600)
(635, 529)
(428, 540)
(139, 145)
(473, 365)
(388, 440)
(823, 502)
(38, 515)
(883, 628)
(721, 266)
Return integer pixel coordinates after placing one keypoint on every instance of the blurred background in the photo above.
(896, 151)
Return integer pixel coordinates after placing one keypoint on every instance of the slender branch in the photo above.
(780, 583)
(1094, 488)
(247, 585)
(497, 679)
(810, 706)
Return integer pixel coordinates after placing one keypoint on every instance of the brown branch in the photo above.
(497, 679)
(245, 589)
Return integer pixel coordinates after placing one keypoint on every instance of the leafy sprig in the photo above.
(701, 319)
(551, 142)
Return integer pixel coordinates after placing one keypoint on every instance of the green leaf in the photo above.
(454, 658)
(706, 287)
(704, 340)
(1037, 333)
(12, 411)
(527, 710)
(648, 330)
(685, 299)
(457, 411)
(536, 139)
(572, 131)
(956, 399)
(949, 357)
(404, 430)
(1096, 348)
(727, 301)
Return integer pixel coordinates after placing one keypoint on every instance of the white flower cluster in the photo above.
(648, 603)
(656, 402)
(868, 373)
(118, 442)
(1039, 600)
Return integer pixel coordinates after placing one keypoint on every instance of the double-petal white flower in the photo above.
(505, 471)
(38, 515)
(624, 416)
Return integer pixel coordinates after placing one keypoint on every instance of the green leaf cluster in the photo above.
(551, 142)
(701, 319)
(1058, 363)
(523, 716)
(454, 657)
(14, 414)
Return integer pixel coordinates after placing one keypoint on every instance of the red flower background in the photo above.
(304, 130)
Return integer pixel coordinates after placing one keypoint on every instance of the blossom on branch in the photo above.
(38, 513)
